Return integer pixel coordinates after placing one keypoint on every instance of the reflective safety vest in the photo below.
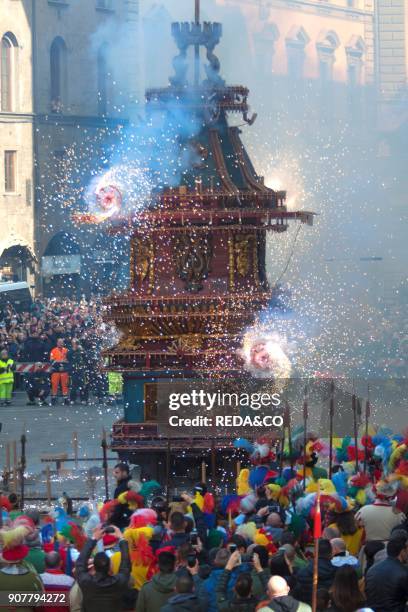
(6, 373)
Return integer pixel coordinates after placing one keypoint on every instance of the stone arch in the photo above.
(326, 45)
(328, 39)
(298, 36)
(17, 259)
(356, 45)
(9, 72)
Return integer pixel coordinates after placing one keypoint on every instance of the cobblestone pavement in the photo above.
(49, 430)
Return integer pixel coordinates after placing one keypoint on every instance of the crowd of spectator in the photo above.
(160, 556)
(65, 335)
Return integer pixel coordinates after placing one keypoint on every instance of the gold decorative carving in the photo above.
(142, 255)
(129, 343)
(193, 259)
(242, 252)
(243, 257)
(188, 343)
(231, 263)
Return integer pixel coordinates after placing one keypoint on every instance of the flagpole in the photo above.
(305, 417)
(331, 418)
(317, 532)
(367, 416)
(354, 408)
(282, 445)
(289, 435)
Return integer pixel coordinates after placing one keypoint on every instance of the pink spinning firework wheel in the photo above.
(109, 198)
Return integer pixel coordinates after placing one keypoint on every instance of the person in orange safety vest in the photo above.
(60, 375)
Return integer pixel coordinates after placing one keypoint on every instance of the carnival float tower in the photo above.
(197, 256)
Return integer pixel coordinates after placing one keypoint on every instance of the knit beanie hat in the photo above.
(214, 538)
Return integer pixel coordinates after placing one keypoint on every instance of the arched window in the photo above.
(326, 45)
(264, 42)
(296, 41)
(58, 74)
(9, 48)
(102, 79)
(355, 50)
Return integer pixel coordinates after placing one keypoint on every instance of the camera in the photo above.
(193, 538)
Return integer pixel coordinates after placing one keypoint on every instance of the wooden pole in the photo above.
(316, 556)
(8, 457)
(282, 447)
(367, 417)
(15, 471)
(48, 485)
(105, 463)
(288, 422)
(213, 465)
(6, 473)
(331, 418)
(203, 472)
(238, 467)
(354, 409)
(22, 469)
(305, 417)
(75, 447)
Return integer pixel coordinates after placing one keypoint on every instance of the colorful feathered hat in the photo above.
(107, 510)
(12, 539)
(132, 499)
(263, 538)
(74, 534)
(142, 518)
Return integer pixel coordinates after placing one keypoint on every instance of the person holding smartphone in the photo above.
(243, 600)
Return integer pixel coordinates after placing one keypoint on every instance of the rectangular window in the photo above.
(10, 161)
(6, 75)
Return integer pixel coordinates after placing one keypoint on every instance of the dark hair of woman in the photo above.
(346, 523)
(345, 593)
(278, 565)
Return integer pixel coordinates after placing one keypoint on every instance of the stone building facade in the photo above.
(17, 208)
(59, 93)
(73, 74)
